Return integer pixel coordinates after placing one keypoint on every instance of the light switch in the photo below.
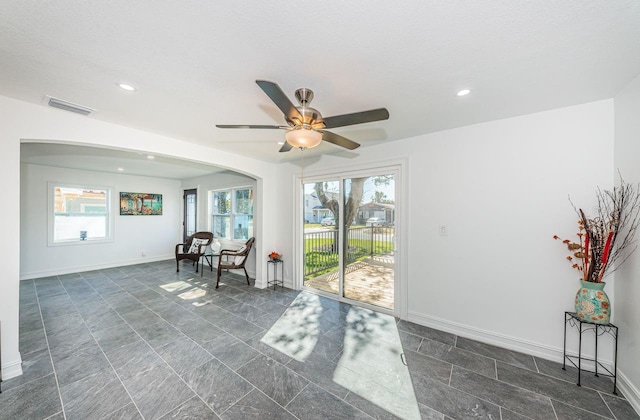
(444, 231)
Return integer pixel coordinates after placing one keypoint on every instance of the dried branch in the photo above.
(611, 233)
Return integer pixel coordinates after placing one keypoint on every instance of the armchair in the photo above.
(237, 262)
(192, 250)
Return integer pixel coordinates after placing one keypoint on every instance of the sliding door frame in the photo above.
(399, 168)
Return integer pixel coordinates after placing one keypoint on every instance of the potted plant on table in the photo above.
(605, 241)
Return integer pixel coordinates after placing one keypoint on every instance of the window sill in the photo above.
(79, 242)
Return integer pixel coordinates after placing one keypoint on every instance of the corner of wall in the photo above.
(12, 368)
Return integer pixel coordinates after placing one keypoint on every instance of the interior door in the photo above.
(190, 199)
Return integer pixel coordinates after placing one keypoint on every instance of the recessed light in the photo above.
(464, 92)
(150, 157)
(121, 169)
(126, 87)
(280, 143)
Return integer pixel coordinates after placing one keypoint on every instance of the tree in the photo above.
(352, 202)
(379, 197)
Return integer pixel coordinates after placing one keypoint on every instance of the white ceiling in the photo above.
(109, 160)
(195, 62)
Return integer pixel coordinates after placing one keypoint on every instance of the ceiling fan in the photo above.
(306, 126)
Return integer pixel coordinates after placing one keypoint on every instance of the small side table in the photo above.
(574, 320)
(275, 281)
(208, 257)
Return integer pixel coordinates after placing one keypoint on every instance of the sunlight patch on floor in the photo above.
(194, 293)
(373, 349)
(176, 286)
(296, 332)
(370, 364)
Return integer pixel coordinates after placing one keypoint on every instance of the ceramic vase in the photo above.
(592, 303)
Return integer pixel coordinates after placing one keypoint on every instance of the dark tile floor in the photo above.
(145, 342)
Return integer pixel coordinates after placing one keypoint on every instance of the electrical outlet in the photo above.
(142, 254)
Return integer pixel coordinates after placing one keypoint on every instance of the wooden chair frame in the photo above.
(184, 254)
(230, 264)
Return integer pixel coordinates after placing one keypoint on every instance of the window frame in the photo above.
(232, 212)
(109, 216)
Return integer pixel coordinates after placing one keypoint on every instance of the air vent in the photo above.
(68, 106)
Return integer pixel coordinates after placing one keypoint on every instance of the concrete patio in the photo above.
(369, 281)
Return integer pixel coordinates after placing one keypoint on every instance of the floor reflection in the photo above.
(370, 363)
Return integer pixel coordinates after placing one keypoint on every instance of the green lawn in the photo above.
(320, 258)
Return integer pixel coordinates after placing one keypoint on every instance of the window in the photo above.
(79, 213)
(232, 213)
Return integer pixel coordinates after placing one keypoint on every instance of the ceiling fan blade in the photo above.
(356, 118)
(339, 140)
(285, 147)
(250, 126)
(278, 97)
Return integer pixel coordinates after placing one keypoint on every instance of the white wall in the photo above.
(218, 181)
(23, 121)
(501, 188)
(155, 235)
(627, 292)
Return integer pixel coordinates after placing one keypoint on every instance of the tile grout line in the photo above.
(199, 345)
(46, 337)
(152, 349)
(527, 390)
(583, 409)
(26, 354)
(347, 402)
(296, 396)
(284, 365)
(147, 286)
(535, 364)
(240, 399)
(53, 415)
(553, 407)
(198, 395)
(223, 309)
(102, 350)
(607, 405)
(527, 369)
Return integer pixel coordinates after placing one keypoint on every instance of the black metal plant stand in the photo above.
(573, 320)
(275, 281)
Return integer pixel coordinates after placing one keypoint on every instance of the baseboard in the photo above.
(12, 369)
(630, 392)
(524, 346)
(79, 269)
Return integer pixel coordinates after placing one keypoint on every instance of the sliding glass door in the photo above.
(349, 237)
(321, 236)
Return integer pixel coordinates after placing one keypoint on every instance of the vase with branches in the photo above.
(604, 243)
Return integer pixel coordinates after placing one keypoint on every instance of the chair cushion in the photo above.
(238, 260)
(195, 245)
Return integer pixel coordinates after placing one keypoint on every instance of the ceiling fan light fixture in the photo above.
(303, 138)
